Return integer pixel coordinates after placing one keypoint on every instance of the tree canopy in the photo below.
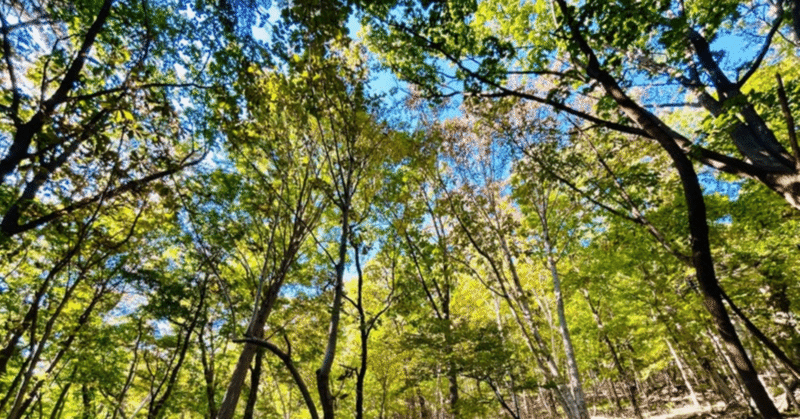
(561, 209)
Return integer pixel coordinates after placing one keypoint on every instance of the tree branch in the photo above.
(25, 132)
(764, 49)
(139, 87)
(132, 185)
(15, 100)
(787, 113)
(287, 361)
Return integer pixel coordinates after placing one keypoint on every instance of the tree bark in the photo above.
(766, 341)
(62, 396)
(171, 381)
(255, 378)
(576, 388)
(286, 357)
(364, 337)
(517, 299)
(719, 383)
(255, 330)
(207, 360)
(712, 293)
(18, 150)
(791, 401)
(324, 372)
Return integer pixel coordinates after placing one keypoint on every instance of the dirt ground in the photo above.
(703, 411)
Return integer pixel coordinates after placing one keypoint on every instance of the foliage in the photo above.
(208, 199)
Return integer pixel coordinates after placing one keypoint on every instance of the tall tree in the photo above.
(282, 204)
(92, 106)
(583, 60)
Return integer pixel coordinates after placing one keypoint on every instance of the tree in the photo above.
(91, 106)
(571, 41)
(584, 60)
(282, 204)
(486, 215)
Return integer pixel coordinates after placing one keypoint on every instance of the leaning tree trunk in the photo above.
(712, 293)
(576, 389)
(698, 226)
(256, 330)
(684, 376)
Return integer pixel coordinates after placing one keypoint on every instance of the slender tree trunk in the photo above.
(87, 399)
(256, 330)
(791, 401)
(361, 373)
(32, 313)
(766, 341)
(452, 374)
(324, 372)
(119, 399)
(18, 406)
(719, 384)
(424, 412)
(517, 299)
(623, 373)
(286, 357)
(384, 395)
(576, 388)
(207, 360)
(499, 320)
(725, 360)
(171, 381)
(255, 379)
(613, 391)
(692, 395)
(58, 407)
(452, 380)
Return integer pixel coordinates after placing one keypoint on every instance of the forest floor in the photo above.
(702, 411)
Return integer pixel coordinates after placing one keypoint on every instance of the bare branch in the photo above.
(764, 49)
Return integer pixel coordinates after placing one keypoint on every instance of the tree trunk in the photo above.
(58, 407)
(361, 374)
(725, 360)
(207, 360)
(255, 378)
(171, 380)
(712, 293)
(517, 298)
(615, 398)
(698, 225)
(87, 399)
(719, 384)
(286, 357)
(18, 149)
(324, 372)
(791, 401)
(623, 373)
(692, 395)
(227, 409)
(766, 341)
(576, 388)
(452, 380)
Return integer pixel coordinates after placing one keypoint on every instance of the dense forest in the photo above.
(399, 209)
